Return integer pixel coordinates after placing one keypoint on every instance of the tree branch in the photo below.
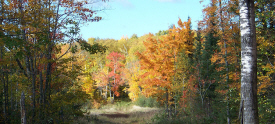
(21, 67)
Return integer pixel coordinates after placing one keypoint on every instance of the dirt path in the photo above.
(116, 115)
(130, 115)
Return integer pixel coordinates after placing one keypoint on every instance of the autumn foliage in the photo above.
(116, 67)
(193, 73)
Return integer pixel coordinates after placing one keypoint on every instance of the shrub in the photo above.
(146, 102)
(161, 118)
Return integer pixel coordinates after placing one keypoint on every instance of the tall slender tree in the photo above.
(248, 106)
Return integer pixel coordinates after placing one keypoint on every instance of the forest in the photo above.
(221, 72)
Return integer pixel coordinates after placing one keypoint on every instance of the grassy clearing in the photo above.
(119, 113)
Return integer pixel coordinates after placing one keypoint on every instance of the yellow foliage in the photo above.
(96, 104)
(159, 60)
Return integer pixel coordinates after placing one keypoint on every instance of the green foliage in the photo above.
(134, 36)
(92, 49)
(66, 106)
(163, 32)
(122, 105)
(161, 118)
(266, 108)
(147, 102)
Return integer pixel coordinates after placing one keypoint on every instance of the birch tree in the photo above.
(248, 107)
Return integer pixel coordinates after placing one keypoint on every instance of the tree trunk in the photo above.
(32, 69)
(167, 102)
(226, 64)
(41, 99)
(113, 97)
(23, 110)
(16, 91)
(110, 92)
(5, 103)
(1, 57)
(106, 93)
(249, 107)
(6, 94)
(11, 99)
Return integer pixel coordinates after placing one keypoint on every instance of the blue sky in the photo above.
(128, 17)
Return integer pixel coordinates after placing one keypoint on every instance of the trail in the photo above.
(122, 115)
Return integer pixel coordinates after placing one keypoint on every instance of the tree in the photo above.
(116, 66)
(159, 63)
(265, 30)
(31, 32)
(226, 58)
(249, 103)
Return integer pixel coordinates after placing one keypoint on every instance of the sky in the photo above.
(128, 17)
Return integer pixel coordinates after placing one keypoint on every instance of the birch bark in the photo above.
(249, 107)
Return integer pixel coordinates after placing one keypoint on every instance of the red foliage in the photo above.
(116, 66)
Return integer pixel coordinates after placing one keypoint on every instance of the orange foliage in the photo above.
(158, 60)
(116, 66)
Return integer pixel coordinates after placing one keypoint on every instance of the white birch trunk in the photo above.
(249, 107)
(106, 92)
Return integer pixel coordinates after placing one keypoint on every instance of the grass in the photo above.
(119, 113)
